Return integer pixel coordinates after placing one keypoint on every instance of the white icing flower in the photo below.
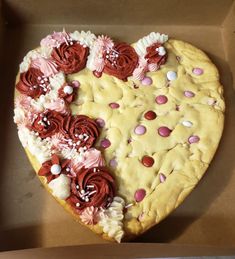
(19, 115)
(38, 147)
(153, 37)
(85, 38)
(57, 81)
(60, 187)
(111, 219)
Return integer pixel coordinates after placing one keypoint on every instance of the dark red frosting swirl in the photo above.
(92, 187)
(74, 126)
(47, 123)
(70, 58)
(124, 64)
(29, 83)
(45, 169)
(152, 55)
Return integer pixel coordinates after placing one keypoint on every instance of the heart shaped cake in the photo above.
(119, 134)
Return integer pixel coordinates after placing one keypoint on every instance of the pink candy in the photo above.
(75, 83)
(100, 122)
(139, 195)
(105, 143)
(193, 139)
(164, 131)
(147, 81)
(114, 105)
(189, 94)
(113, 162)
(140, 130)
(161, 99)
(162, 177)
(198, 71)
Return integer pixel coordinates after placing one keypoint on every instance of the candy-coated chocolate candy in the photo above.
(150, 115)
(164, 131)
(161, 99)
(147, 81)
(139, 195)
(147, 161)
(140, 130)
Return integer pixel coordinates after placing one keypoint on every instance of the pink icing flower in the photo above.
(104, 42)
(55, 39)
(57, 141)
(90, 215)
(23, 101)
(93, 158)
(47, 66)
(58, 105)
(142, 68)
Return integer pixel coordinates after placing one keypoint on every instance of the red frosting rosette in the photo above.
(51, 169)
(30, 83)
(48, 123)
(92, 187)
(153, 56)
(120, 61)
(81, 129)
(70, 58)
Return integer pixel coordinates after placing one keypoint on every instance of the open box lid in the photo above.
(214, 20)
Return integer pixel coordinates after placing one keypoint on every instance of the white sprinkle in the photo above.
(91, 193)
(187, 124)
(90, 186)
(80, 136)
(128, 205)
(94, 170)
(86, 199)
(82, 192)
(39, 78)
(77, 204)
(67, 169)
(77, 186)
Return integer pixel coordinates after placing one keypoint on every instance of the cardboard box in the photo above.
(31, 218)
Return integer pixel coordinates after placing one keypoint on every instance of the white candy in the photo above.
(68, 89)
(171, 75)
(187, 124)
(55, 169)
(161, 51)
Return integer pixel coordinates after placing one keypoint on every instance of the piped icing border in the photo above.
(64, 143)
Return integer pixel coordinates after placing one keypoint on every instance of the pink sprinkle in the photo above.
(113, 162)
(164, 131)
(162, 177)
(198, 71)
(161, 99)
(147, 81)
(140, 130)
(139, 195)
(189, 94)
(105, 143)
(100, 122)
(75, 83)
(114, 105)
(193, 139)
